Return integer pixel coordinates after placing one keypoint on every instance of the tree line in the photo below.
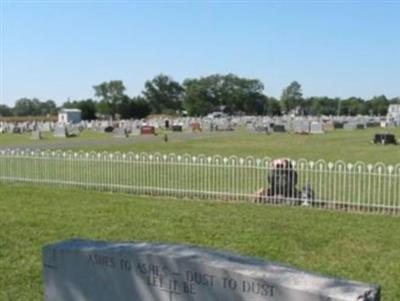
(199, 97)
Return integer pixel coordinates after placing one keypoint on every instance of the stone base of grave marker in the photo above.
(101, 271)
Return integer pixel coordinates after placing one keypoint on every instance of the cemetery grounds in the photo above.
(363, 247)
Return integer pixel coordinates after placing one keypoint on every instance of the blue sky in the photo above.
(60, 49)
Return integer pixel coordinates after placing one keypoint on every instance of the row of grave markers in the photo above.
(300, 125)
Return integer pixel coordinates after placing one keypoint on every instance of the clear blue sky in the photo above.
(60, 49)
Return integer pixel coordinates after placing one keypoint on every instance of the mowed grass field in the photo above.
(349, 146)
(354, 246)
(24, 139)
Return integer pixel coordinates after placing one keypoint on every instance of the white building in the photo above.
(69, 116)
(394, 113)
(217, 115)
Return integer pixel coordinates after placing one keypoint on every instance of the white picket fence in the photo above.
(336, 185)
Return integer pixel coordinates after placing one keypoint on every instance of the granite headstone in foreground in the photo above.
(81, 270)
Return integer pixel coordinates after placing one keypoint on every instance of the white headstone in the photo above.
(261, 128)
(223, 125)
(60, 131)
(301, 126)
(316, 127)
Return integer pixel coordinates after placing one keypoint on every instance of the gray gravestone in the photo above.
(301, 126)
(135, 131)
(224, 125)
(72, 131)
(36, 135)
(100, 271)
(316, 127)
(120, 133)
(262, 128)
(44, 127)
(350, 126)
(60, 131)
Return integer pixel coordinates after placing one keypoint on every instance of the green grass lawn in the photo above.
(350, 146)
(15, 140)
(359, 247)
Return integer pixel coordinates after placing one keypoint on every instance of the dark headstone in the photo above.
(384, 139)
(373, 124)
(177, 128)
(109, 129)
(279, 128)
(17, 130)
(338, 125)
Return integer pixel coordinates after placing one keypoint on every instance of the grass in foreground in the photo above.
(360, 247)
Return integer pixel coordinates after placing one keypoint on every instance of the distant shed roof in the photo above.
(70, 111)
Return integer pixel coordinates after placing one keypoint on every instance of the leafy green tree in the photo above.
(231, 92)
(87, 106)
(353, 106)
(201, 96)
(317, 106)
(24, 107)
(141, 107)
(292, 97)
(379, 105)
(27, 107)
(136, 107)
(334, 105)
(48, 107)
(272, 107)
(5, 111)
(124, 108)
(242, 95)
(102, 108)
(111, 95)
(163, 93)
